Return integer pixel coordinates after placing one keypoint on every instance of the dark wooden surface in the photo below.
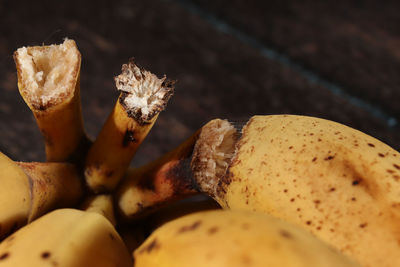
(232, 59)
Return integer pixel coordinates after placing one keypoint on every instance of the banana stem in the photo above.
(194, 167)
(165, 179)
(143, 96)
(49, 82)
(101, 204)
(53, 185)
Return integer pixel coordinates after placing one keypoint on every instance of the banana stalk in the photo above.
(165, 179)
(143, 96)
(29, 190)
(48, 81)
(101, 204)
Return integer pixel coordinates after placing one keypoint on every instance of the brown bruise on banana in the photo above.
(212, 156)
(48, 74)
(166, 182)
(143, 95)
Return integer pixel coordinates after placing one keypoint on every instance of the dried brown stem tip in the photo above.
(212, 155)
(143, 95)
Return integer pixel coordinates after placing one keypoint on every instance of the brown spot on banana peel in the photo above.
(170, 173)
(129, 137)
(153, 245)
(190, 227)
(4, 256)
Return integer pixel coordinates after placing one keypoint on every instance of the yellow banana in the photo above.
(228, 238)
(66, 238)
(29, 190)
(101, 204)
(339, 183)
(143, 96)
(48, 80)
(335, 181)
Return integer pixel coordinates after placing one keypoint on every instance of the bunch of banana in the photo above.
(319, 176)
(77, 169)
(234, 238)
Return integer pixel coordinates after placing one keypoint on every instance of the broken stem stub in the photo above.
(48, 75)
(212, 156)
(143, 94)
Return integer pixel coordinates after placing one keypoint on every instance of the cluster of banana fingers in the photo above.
(287, 190)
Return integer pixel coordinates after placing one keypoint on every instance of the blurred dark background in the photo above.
(338, 60)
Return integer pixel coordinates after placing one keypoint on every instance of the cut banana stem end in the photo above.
(170, 177)
(143, 96)
(29, 190)
(101, 204)
(212, 155)
(48, 80)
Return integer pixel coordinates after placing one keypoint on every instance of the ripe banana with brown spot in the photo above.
(143, 96)
(66, 238)
(48, 81)
(338, 183)
(29, 190)
(335, 181)
(235, 238)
